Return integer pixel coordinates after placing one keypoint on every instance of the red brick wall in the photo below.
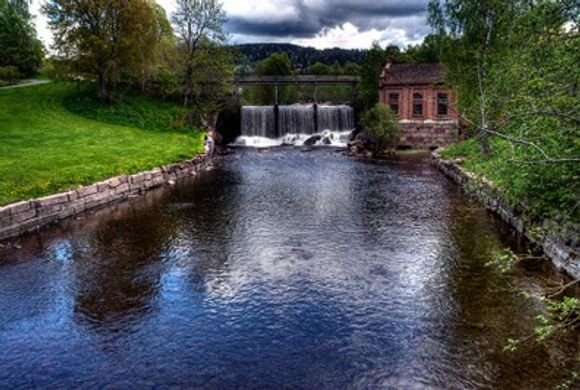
(429, 101)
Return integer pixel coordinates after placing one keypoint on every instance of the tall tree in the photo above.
(476, 32)
(19, 45)
(101, 38)
(196, 23)
(370, 71)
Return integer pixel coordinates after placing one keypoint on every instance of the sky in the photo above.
(348, 24)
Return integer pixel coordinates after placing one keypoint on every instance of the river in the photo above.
(282, 269)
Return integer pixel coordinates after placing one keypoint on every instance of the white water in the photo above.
(328, 138)
(296, 124)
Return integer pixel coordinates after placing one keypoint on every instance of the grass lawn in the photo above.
(46, 148)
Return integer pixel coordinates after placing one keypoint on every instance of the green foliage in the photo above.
(504, 260)
(19, 46)
(525, 78)
(302, 58)
(319, 69)
(45, 148)
(278, 64)
(107, 41)
(370, 70)
(8, 75)
(382, 125)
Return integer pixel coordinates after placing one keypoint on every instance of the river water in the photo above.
(276, 270)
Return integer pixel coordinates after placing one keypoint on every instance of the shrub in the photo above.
(9, 75)
(382, 124)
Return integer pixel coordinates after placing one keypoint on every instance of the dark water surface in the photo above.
(282, 269)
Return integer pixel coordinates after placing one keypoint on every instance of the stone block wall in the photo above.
(428, 134)
(562, 256)
(30, 215)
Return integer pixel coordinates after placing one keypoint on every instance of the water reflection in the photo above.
(280, 269)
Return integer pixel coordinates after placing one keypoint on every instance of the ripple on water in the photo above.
(282, 269)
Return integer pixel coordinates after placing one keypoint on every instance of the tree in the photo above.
(475, 33)
(382, 125)
(370, 71)
(19, 45)
(319, 69)
(196, 23)
(278, 64)
(102, 39)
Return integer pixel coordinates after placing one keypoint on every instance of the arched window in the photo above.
(417, 104)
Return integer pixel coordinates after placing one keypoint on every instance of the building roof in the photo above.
(412, 74)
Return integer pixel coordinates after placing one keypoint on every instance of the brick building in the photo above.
(417, 93)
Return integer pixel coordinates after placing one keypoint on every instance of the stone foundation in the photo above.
(30, 215)
(428, 134)
(562, 256)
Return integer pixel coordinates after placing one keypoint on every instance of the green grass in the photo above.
(544, 191)
(45, 148)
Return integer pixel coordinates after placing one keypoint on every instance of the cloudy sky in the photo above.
(317, 23)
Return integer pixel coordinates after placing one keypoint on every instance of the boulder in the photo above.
(362, 144)
(312, 140)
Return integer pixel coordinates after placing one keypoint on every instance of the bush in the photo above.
(382, 124)
(9, 75)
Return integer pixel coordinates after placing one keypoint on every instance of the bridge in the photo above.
(353, 81)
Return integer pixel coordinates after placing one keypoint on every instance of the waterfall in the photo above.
(258, 121)
(271, 126)
(298, 119)
(335, 118)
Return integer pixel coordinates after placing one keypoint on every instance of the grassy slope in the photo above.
(547, 191)
(45, 148)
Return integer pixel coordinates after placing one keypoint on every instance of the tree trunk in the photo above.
(104, 92)
(187, 85)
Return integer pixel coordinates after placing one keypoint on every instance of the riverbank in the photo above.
(556, 248)
(46, 148)
(27, 216)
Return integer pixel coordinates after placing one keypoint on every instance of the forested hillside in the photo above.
(301, 57)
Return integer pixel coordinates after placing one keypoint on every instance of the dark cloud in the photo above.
(315, 16)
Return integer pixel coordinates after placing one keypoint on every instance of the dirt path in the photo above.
(27, 83)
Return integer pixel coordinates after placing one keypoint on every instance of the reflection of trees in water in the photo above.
(118, 274)
(209, 224)
(489, 306)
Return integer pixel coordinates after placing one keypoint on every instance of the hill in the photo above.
(302, 57)
(46, 148)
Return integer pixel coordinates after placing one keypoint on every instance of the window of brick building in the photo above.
(417, 104)
(394, 102)
(442, 104)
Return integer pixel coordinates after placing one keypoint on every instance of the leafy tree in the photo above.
(429, 51)
(351, 69)
(336, 69)
(197, 23)
(319, 69)
(102, 39)
(516, 72)
(476, 32)
(382, 124)
(19, 46)
(278, 64)
(370, 71)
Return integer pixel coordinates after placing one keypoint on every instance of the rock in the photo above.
(326, 141)
(312, 140)
(362, 144)
(171, 182)
(264, 150)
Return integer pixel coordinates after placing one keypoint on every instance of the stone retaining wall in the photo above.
(562, 256)
(428, 134)
(30, 215)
